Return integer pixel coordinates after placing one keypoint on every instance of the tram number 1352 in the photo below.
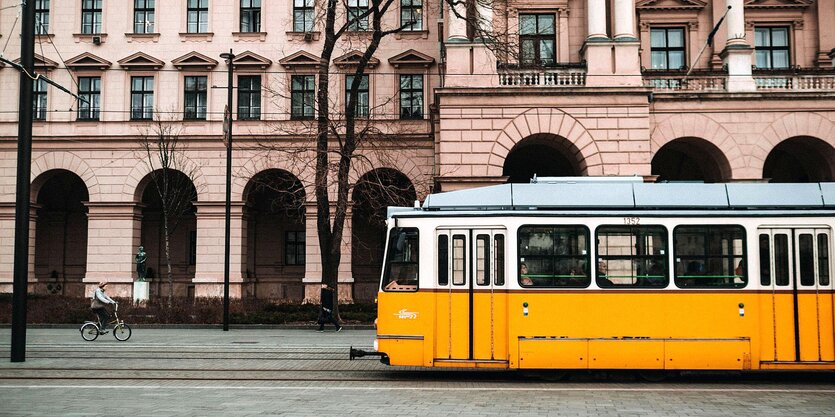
(632, 221)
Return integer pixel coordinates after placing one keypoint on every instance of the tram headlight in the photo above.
(375, 345)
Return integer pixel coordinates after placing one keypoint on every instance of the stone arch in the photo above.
(790, 126)
(546, 121)
(694, 125)
(406, 167)
(800, 159)
(260, 163)
(67, 161)
(691, 159)
(132, 190)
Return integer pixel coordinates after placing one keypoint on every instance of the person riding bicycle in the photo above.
(100, 301)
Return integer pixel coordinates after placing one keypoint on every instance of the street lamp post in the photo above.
(228, 130)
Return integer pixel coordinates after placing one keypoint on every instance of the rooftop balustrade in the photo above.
(562, 75)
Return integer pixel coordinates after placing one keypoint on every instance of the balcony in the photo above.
(698, 81)
(810, 80)
(561, 75)
(796, 79)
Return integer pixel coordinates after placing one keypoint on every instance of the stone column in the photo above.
(738, 52)
(7, 240)
(625, 20)
(456, 27)
(211, 238)
(346, 272)
(826, 37)
(114, 232)
(596, 19)
(484, 10)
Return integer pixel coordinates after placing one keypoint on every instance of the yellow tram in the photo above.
(622, 275)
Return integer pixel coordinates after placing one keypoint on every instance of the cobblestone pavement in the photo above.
(255, 372)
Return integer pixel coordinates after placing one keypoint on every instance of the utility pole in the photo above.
(24, 171)
(228, 130)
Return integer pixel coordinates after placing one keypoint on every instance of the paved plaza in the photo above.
(299, 372)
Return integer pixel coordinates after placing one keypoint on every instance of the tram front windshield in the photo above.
(401, 268)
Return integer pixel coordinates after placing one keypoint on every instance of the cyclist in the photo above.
(100, 301)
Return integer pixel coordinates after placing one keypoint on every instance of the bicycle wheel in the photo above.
(121, 332)
(89, 332)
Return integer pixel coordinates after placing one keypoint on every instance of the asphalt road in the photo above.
(291, 372)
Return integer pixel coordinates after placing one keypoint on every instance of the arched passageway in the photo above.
(60, 233)
(182, 233)
(374, 191)
(691, 159)
(543, 155)
(800, 159)
(275, 238)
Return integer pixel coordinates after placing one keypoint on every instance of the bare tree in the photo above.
(172, 179)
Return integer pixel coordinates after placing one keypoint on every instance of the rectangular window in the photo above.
(771, 47)
(443, 260)
(89, 93)
(537, 39)
(411, 96)
(806, 259)
(765, 260)
(143, 16)
(361, 109)
(250, 15)
(141, 98)
(554, 256)
(41, 17)
(498, 258)
(459, 260)
(91, 16)
(667, 48)
(411, 15)
(302, 96)
(400, 272)
(357, 21)
(294, 244)
(482, 259)
(198, 16)
(249, 97)
(709, 256)
(39, 99)
(781, 260)
(195, 98)
(823, 259)
(632, 256)
(303, 15)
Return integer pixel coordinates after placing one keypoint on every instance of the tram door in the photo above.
(795, 266)
(471, 305)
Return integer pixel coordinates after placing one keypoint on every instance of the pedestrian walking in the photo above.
(326, 312)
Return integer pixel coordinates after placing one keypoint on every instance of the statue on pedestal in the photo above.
(141, 258)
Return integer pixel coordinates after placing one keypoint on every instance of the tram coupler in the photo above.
(359, 353)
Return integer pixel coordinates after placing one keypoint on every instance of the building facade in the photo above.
(548, 88)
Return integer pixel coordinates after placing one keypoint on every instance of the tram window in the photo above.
(458, 259)
(823, 259)
(554, 256)
(781, 259)
(806, 259)
(482, 246)
(401, 270)
(443, 260)
(710, 256)
(765, 261)
(498, 261)
(632, 256)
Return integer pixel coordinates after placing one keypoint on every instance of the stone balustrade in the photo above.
(542, 77)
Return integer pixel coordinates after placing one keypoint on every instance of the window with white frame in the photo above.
(411, 15)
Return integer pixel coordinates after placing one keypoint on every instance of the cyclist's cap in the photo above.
(102, 284)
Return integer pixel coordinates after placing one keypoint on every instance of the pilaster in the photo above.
(211, 238)
(7, 242)
(114, 231)
(738, 53)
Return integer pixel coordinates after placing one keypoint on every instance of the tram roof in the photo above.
(641, 196)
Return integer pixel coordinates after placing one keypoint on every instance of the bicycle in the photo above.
(91, 330)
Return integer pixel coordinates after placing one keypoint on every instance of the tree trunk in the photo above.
(168, 261)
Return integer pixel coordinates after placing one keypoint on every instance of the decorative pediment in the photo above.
(87, 61)
(352, 58)
(194, 60)
(411, 58)
(250, 59)
(778, 4)
(141, 61)
(41, 63)
(647, 5)
(299, 59)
